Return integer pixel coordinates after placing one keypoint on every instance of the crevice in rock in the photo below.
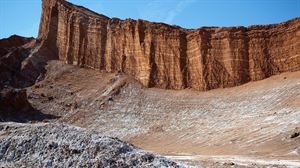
(153, 67)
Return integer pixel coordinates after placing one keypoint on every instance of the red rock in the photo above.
(164, 56)
(13, 51)
(12, 42)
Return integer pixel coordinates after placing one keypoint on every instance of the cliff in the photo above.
(164, 56)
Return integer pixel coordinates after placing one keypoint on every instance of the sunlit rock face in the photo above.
(164, 56)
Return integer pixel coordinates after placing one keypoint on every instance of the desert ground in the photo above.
(94, 91)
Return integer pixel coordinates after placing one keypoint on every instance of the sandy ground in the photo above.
(231, 160)
(251, 123)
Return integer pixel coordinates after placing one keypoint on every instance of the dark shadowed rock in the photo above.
(12, 42)
(13, 51)
(14, 106)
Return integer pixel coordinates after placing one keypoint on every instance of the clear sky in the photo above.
(22, 16)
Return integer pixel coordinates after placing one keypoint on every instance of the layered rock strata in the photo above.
(12, 42)
(13, 51)
(164, 56)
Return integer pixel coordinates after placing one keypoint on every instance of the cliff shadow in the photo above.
(153, 67)
(14, 106)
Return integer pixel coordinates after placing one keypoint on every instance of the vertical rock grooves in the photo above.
(164, 56)
(49, 27)
(183, 59)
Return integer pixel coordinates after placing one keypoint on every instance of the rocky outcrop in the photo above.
(12, 42)
(164, 56)
(55, 145)
(13, 51)
(14, 106)
(13, 100)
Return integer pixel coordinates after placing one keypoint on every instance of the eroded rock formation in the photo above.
(14, 41)
(13, 51)
(14, 106)
(164, 56)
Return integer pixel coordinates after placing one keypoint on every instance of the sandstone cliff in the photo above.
(164, 56)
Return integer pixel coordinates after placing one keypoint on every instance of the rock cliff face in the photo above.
(164, 56)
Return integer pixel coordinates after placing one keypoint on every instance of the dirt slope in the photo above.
(256, 119)
(125, 62)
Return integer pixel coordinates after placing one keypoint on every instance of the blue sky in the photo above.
(22, 16)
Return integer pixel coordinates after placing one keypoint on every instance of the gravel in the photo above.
(58, 145)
